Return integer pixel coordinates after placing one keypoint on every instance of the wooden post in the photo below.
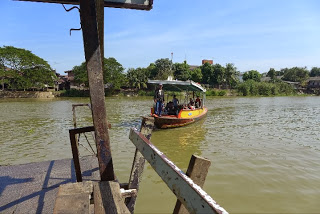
(193, 197)
(197, 171)
(147, 125)
(108, 199)
(88, 14)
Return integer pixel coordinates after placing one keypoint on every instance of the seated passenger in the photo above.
(198, 102)
(191, 104)
(170, 108)
(175, 101)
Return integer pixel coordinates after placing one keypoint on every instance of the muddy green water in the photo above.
(265, 152)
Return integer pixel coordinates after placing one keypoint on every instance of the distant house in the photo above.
(210, 61)
(72, 83)
(62, 83)
(314, 82)
(192, 67)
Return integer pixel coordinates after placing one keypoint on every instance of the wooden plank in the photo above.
(76, 188)
(73, 198)
(75, 204)
(197, 170)
(193, 197)
(107, 198)
(88, 15)
(147, 126)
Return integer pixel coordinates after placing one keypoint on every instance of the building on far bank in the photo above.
(210, 61)
(314, 82)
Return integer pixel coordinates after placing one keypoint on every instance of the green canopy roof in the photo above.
(178, 85)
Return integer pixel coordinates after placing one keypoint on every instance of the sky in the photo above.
(252, 34)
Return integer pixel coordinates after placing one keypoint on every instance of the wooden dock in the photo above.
(33, 187)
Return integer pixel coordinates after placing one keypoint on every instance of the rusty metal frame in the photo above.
(193, 197)
(75, 150)
(106, 4)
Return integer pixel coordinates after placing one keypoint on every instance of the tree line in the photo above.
(22, 70)
(115, 76)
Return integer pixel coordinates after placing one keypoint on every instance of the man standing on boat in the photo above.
(159, 98)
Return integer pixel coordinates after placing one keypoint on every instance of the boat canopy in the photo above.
(178, 85)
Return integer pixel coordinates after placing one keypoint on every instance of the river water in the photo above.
(265, 152)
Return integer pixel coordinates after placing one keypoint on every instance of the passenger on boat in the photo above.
(175, 104)
(191, 104)
(198, 102)
(170, 110)
(159, 97)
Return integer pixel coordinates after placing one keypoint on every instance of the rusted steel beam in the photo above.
(75, 154)
(193, 197)
(146, 128)
(88, 14)
(106, 3)
(197, 170)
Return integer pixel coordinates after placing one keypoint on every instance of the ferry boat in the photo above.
(185, 113)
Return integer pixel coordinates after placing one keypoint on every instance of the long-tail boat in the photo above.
(186, 112)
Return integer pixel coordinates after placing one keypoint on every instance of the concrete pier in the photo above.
(32, 188)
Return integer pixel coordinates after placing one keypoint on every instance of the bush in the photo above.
(252, 88)
(222, 93)
(211, 92)
(75, 93)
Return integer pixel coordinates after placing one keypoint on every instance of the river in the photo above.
(265, 152)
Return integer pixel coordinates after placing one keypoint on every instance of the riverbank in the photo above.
(249, 92)
(26, 94)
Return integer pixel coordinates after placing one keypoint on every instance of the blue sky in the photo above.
(251, 34)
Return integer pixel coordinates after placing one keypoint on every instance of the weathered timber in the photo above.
(193, 197)
(147, 126)
(197, 170)
(107, 3)
(108, 199)
(88, 14)
(73, 198)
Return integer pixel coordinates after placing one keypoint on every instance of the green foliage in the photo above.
(138, 78)
(252, 75)
(75, 93)
(145, 93)
(218, 75)
(295, 74)
(80, 74)
(196, 75)
(271, 73)
(231, 75)
(222, 93)
(181, 71)
(113, 73)
(162, 69)
(211, 92)
(21, 69)
(315, 72)
(207, 73)
(253, 88)
(214, 92)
